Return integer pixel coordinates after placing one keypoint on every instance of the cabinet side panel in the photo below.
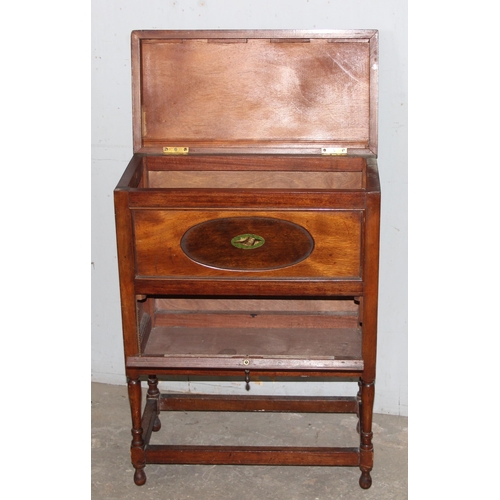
(371, 271)
(126, 267)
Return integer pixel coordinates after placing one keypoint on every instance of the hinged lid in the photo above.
(283, 91)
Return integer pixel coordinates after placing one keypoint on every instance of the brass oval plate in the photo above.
(223, 243)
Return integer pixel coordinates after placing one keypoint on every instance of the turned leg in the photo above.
(137, 446)
(154, 393)
(366, 434)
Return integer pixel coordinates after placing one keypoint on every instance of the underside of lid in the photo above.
(282, 92)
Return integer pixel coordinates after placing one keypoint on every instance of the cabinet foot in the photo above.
(139, 477)
(365, 481)
(156, 425)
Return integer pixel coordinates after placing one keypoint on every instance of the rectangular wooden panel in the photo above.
(296, 404)
(253, 348)
(256, 306)
(263, 92)
(256, 91)
(269, 320)
(336, 235)
(163, 198)
(251, 455)
(256, 162)
(249, 286)
(256, 180)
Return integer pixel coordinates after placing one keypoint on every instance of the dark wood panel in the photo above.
(295, 404)
(137, 366)
(247, 243)
(257, 320)
(232, 287)
(340, 343)
(242, 163)
(255, 180)
(164, 198)
(255, 91)
(251, 455)
(336, 235)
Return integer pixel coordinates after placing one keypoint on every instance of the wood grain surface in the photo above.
(336, 235)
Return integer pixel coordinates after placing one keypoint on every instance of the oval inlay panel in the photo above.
(225, 243)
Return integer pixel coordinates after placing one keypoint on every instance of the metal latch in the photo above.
(175, 150)
(333, 151)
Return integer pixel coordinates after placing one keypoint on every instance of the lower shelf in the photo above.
(251, 348)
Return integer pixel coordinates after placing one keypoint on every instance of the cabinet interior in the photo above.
(254, 172)
(294, 328)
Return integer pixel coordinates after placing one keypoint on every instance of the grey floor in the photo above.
(112, 472)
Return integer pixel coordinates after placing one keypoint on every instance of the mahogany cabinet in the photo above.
(247, 226)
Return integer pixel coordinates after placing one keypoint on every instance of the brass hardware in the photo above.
(248, 241)
(334, 151)
(175, 150)
(246, 362)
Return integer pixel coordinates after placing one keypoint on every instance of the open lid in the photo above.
(280, 92)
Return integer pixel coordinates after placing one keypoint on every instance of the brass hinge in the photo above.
(175, 150)
(334, 151)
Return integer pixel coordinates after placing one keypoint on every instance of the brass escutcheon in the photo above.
(246, 362)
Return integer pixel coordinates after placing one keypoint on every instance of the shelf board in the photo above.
(252, 348)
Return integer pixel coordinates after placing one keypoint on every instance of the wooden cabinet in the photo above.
(248, 229)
